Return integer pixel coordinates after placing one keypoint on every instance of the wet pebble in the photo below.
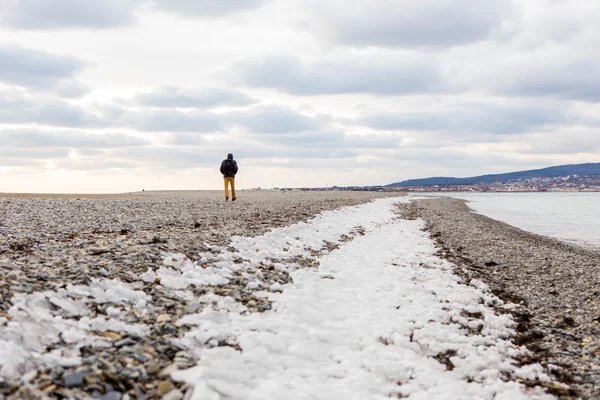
(73, 379)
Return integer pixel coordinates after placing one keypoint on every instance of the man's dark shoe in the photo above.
(234, 198)
(226, 198)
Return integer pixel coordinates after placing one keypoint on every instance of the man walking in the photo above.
(229, 168)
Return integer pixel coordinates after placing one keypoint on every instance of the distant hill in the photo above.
(551, 172)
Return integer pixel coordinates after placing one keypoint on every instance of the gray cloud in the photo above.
(67, 14)
(42, 71)
(566, 78)
(28, 138)
(268, 119)
(210, 97)
(576, 141)
(405, 23)
(31, 154)
(315, 139)
(16, 107)
(330, 139)
(95, 164)
(107, 14)
(471, 119)
(209, 8)
(160, 120)
(168, 120)
(182, 139)
(301, 153)
(272, 119)
(244, 147)
(385, 75)
(256, 148)
(175, 157)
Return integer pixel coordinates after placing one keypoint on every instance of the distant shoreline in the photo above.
(190, 192)
(103, 195)
(501, 191)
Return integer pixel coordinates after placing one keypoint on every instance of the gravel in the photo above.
(50, 241)
(557, 284)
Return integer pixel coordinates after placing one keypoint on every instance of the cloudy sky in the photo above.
(124, 95)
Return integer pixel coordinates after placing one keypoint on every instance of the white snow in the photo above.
(41, 319)
(374, 320)
(371, 332)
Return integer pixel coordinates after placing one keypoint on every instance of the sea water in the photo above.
(571, 217)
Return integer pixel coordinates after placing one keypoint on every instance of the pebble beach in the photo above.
(180, 295)
(51, 242)
(557, 285)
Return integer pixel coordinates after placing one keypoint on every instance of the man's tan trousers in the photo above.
(229, 181)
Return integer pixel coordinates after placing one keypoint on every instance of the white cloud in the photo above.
(66, 14)
(20, 107)
(376, 73)
(32, 138)
(405, 23)
(107, 14)
(272, 119)
(40, 70)
(474, 118)
(342, 92)
(206, 8)
(176, 97)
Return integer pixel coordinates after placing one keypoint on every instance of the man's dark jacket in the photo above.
(229, 172)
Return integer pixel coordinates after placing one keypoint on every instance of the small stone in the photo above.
(96, 251)
(170, 328)
(112, 396)
(174, 394)
(28, 377)
(166, 372)
(50, 388)
(537, 334)
(112, 335)
(73, 380)
(90, 380)
(44, 384)
(153, 368)
(162, 318)
(150, 350)
(130, 374)
(164, 387)
(124, 342)
(193, 307)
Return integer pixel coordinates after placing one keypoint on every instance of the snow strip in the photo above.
(299, 239)
(42, 319)
(382, 317)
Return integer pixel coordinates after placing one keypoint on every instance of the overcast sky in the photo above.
(124, 95)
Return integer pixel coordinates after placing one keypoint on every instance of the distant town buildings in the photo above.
(571, 183)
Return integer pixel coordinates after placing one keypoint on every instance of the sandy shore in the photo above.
(556, 283)
(52, 243)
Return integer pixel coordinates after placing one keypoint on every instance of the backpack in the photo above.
(229, 167)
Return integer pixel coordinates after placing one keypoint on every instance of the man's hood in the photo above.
(230, 156)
